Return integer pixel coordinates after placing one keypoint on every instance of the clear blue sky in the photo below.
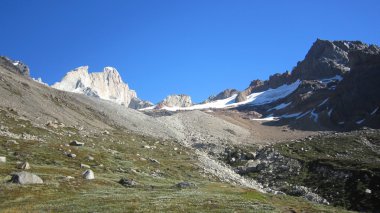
(195, 47)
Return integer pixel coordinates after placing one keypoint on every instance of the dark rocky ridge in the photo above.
(329, 104)
(325, 59)
(14, 66)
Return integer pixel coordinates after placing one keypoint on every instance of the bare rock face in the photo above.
(176, 101)
(222, 95)
(242, 96)
(15, 66)
(357, 97)
(106, 85)
(326, 59)
(88, 175)
(136, 103)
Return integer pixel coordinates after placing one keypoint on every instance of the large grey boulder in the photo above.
(88, 175)
(25, 178)
(3, 159)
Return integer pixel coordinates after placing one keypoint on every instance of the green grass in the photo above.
(121, 155)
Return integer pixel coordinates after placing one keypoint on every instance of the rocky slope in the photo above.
(106, 85)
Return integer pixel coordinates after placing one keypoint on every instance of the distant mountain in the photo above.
(335, 86)
(106, 85)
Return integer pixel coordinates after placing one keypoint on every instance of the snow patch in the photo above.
(291, 115)
(330, 111)
(39, 80)
(281, 106)
(314, 116)
(374, 111)
(303, 115)
(323, 102)
(360, 121)
(269, 118)
(328, 80)
(254, 99)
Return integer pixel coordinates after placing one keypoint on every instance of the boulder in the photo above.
(84, 166)
(88, 174)
(25, 178)
(3, 159)
(76, 143)
(127, 182)
(24, 166)
(71, 155)
(183, 185)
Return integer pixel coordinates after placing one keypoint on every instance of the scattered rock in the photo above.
(25, 178)
(12, 142)
(105, 132)
(24, 166)
(67, 178)
(368, 191)
(3, 159)
(154, 160)
(127, 182)
(88, 174)
(76, 143)
(84, 166)
(183, 185)
(52, 124)
(90, 158)
(71, 155)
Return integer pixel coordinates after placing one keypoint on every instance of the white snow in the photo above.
(341, 123)
(328, 80)
(303, 114)
(314, 116)
(16, 63)
(323, 102)
(255, 99)
(269, 118)
(374, 111)
(291, 115)
(330, 111)
(360, 121)
(39, 80)
(280, 106)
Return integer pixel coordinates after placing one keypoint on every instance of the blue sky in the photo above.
(194, 47)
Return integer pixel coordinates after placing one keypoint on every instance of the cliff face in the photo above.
(106, 85)
(175, 101)
(357, 97)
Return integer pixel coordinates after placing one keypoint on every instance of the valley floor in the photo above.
(157, 165)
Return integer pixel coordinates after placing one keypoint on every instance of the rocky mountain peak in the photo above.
(326, 59)
(15, 66)
(106, 85)
(175, 101)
